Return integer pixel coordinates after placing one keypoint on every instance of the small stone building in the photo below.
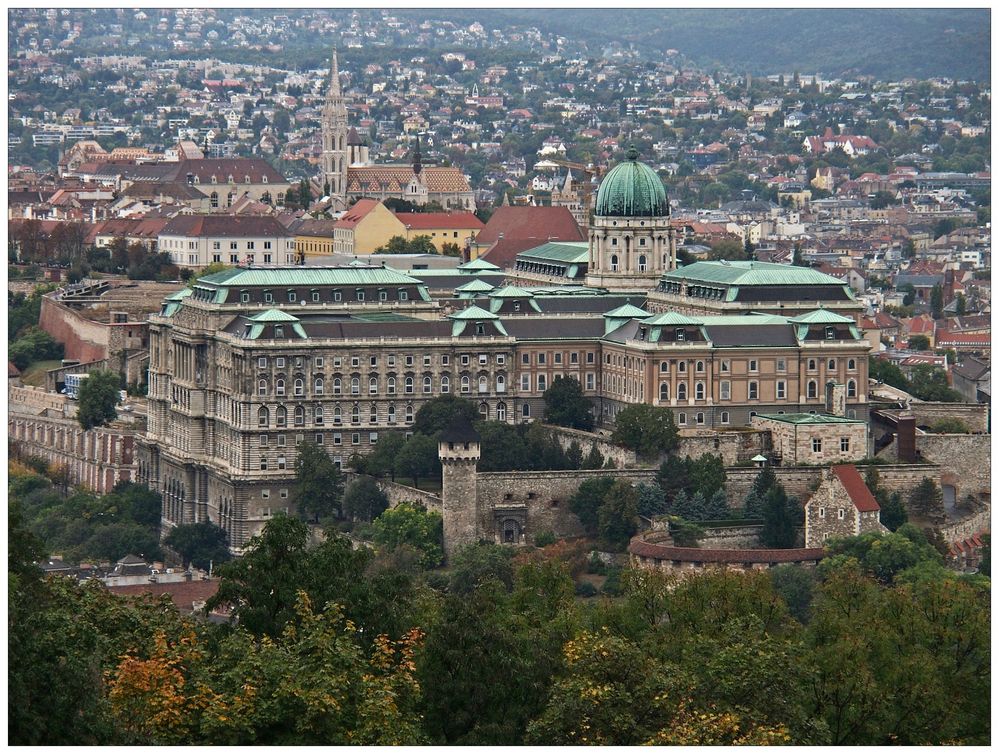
(843, 506)
(814, 438)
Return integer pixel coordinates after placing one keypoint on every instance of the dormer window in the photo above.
(263, 179)
(268, 297)
(830, 333)
(480, 329)
(278, 331)
(292, 296)
(642, 333)
(214, 179)
(231, 179)
(681, 334)
(246, 179)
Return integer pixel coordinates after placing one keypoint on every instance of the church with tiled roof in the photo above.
(350, 175)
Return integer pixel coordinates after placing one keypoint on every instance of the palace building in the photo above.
(250, 362)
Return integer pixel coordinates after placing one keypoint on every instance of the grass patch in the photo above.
(34, 374)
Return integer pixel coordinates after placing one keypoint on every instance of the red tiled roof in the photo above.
(183, 593)
(852, 482)
(12, 371)
(361, 209)
(396, 177)
(435, 220)
(228, 226)
(523, 228)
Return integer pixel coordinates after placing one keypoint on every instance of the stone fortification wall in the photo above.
(733, 447)
(979, 522)
(731, 537)
(800, 481)
(964, 460)
(398, 493)
(85, 340)
(974, 415)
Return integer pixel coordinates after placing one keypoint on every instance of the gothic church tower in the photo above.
(334, 133)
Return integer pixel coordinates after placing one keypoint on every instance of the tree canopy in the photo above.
(648, 430)
(566, 405)
(98, 396)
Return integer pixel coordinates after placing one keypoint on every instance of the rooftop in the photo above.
(751, 273)
(804, 419)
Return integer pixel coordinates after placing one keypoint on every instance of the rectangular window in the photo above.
(483, 359)
(445, 360)
(279, 362)
(234, 259)
(263, 441)
(781, 365)
(725, 390)
(542, 358)
(249, 245)
(781, 390)
(319, 438)
(464, 360)
(558, 358)
(355, 438)
(372, 437)
(267, 244)
(525, 358)
(753, 365)
(281, 440)
(682, 419)
(319, 362)
(844, 444)
(590, 381)
(754, 391)
(525, 382)
(589, 357)
(816, 445)
(542, 382)
(337, 438)
(265, 494)
(262, 362)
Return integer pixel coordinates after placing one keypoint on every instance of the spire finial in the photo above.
(417, 157)
(632, 153)
(334, 88)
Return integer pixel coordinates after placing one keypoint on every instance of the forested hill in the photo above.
(886, 43)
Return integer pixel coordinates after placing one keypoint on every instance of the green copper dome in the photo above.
(632, 189)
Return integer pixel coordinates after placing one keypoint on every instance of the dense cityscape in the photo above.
(498, 377)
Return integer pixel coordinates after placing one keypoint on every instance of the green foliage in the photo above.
(98, 396)
(594, 459)
(929, 383)
(400, 245)
(318, 490)
(475, 565)
(566, 405)
(364, 500)
(438, 413)
(617, 517)
(648, 430)
(545, 538)
(651, 501)
(707, 475)
(950, 426)
(937, 301)
(204, 545)
(795, 585)
(413, 525)
(685, 533)
(781, 515)
(919, 343)
(33, 344)
(926, 500)
(381, 460)
(888, 373)
(586, 502)
(418, 458)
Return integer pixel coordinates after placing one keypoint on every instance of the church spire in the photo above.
(417, 158)
(334, 93)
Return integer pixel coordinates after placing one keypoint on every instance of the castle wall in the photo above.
(974, 415)
(965, 460)
(400, 493)
(85, 340)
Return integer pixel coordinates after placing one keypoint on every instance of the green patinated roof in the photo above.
(632, 189)
(273, 315)
(822, 317)
(627, 311)
(671, 318)
(472, 312)
(510, 291)
(179, 295)
(279, 276)
(751, 273)
(382, 317)
(473, 286)
(566, 252)
(810, 419)
(478, 264)
(754, 318)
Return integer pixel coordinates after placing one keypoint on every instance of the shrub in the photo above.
(586, 589)
(544, 538)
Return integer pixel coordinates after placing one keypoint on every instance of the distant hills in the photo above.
(887, 43)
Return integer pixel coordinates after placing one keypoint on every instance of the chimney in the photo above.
(905, 438)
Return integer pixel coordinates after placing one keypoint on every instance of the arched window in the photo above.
(681, 366)
(263, 417)
(501, 412)
(681, 391)
(282, 416)
(831, 364)
(445, 384)
(500, 383)
(390, 386)
(355, 414)
(699, 391)
(813, 389)
(484, 410)
(851, 389)
(526, 411)
(724, 417)
(466, 384)
(851, 364)
(299, 386)
(299, 416)
(372, 385)
(262, 387)
(355, 385)
(409, 385)
(279, 387)
(319, 386)
(215, 199)
(483, 383)
(391, 413)
(699, 418)
(337, 415)
(318, 415)
(699, 366)
(664, 391)
(811, 365)
(613, 262)
(409, 413)
(428, 384)
(664, 366)
(337, 386)
(642, 261)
